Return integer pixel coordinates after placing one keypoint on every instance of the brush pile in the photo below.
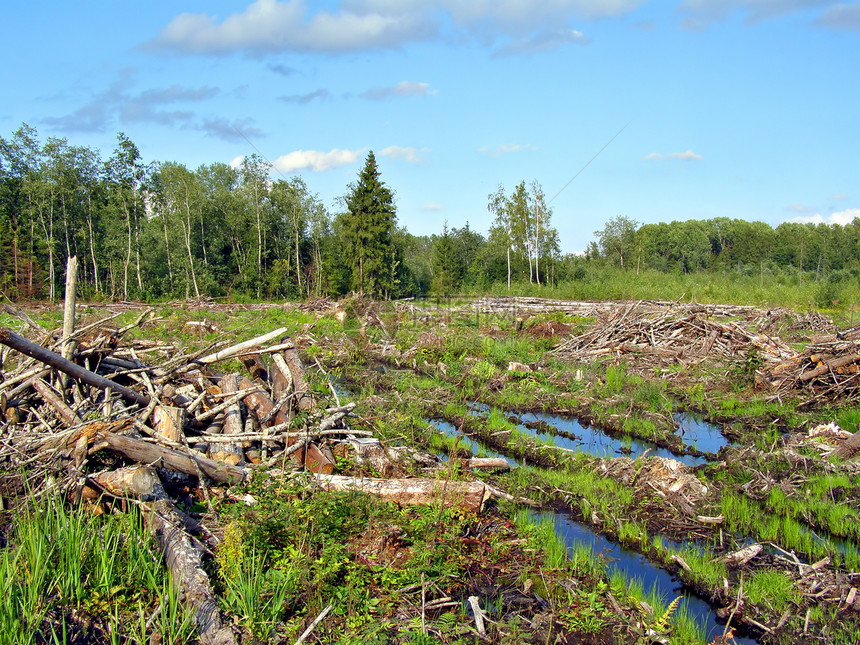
(94, 416)
(684, 333)
(827, 370)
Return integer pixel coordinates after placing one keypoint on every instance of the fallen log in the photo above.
(234, 350)
(182, 559)
(161, 457)
(65, 413)
(21, 344)
(827, 366)
(497, 463)
(470, 496)
(848, 447)
(742, 556)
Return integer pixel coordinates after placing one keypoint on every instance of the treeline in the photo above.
(157, 230)
(160, 230)
(722, 243)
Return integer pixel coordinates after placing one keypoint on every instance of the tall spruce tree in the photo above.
(368, 229)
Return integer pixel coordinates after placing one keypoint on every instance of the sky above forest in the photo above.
(657, 111)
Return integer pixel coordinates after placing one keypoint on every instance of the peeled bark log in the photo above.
(467, 495)
(227, 452)
(161, 457)
(240, 348)
(498, 463)
(167, 422)
(182, 559)
(69, 308)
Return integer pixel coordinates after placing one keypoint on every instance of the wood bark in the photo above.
(230, 453)
(66, 414)
(467, 495)
(167, 421)
(161, 457)
(288, 376)
(240, 348)
(304, 399)
(21, 344)
(182, 559)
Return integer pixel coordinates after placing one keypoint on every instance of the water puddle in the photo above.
(570, 434)
(699, 434)
(634, 565)
(477, 449)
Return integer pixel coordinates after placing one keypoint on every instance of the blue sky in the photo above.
(725, 108)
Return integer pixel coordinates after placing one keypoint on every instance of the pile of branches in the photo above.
(827, 371)
(91, 420)
(667, 336)
(783, 322)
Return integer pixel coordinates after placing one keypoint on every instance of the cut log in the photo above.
(65, 413)
(235, 350)
(423, 492)
(161, 457)
(259, 404)
(742, 556)
(230, 453)
(182, 559)
(828, 366)
(304, 399)
(285, 379)
(167, 421)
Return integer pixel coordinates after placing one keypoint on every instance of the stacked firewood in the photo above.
(828, 369)
(669, 336)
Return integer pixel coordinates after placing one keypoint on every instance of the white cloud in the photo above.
(544, 41)
(839, 196)
(316, 161)
(409, 155)
(269, 26)
(842, 218)
(841, 16)
(237, 161)
(403, 88)
(506, 148)
(432, 207)
(683, 156)
(272, 26)
(303, 99)
(798, 208)
(701, 13)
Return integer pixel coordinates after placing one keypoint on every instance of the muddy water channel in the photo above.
(635, 566)
(570, 435)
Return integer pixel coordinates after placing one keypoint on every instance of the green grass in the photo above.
(59, 560)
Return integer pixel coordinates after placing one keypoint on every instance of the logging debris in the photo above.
(660, 336)
(102, 421)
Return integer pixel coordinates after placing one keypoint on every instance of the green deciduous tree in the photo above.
(618, 237)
